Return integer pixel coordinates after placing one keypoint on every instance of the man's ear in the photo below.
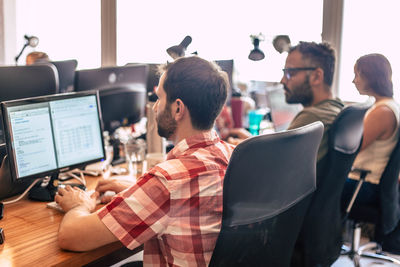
(317, 76)
(180, 109)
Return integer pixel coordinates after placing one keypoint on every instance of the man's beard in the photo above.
(301, 94)
(165, 123)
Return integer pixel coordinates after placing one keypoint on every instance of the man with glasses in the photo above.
(307, 79)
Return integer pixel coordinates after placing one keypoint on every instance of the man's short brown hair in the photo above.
(201, 85)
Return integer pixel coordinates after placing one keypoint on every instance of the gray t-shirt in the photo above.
(326, 112)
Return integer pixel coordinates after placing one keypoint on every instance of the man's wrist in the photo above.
(81, 208)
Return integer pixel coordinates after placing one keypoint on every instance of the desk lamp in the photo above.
(31, 41)
(256, 54)
(179, 50)
(281, 43)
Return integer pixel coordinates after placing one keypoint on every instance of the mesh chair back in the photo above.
(267, 189)
(389, 193)
(320, 238)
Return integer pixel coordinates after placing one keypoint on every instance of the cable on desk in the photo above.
(24, 193)
(72, 174)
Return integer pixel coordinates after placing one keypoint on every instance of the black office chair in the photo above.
(267, 189)
(385, 214)
(66, 74)
(320, 239)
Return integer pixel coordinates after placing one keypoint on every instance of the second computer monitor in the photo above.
(153, 75)
(46, 135)
(122, 92)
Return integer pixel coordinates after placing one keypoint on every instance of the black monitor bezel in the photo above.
(40, 99)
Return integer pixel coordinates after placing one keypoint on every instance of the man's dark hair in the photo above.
(318, 55)
(201, 85)
(376, 70)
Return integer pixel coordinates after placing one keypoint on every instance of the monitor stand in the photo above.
(44, 193)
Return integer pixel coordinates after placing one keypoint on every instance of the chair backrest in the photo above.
(267, 188)
(66, 74)
(386, 213)
(389, 192)
(320, 238)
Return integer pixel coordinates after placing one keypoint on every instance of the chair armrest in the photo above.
(363, 172)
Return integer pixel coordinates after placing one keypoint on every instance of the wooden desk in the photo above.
(31, 238)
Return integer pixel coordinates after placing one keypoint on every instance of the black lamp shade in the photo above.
(179, 50)
(256, 54)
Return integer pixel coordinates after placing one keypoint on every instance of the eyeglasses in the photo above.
(290, 72)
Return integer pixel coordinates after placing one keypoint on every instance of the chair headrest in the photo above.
(347, 129)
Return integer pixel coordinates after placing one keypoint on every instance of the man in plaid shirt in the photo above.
(175, 209)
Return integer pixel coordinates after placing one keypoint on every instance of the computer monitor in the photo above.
(153, 76)
(18, 82)
(110, 77)
(122, 92)
(271, 96)
(66, 74)
(281, 112)
(47, 135)
(227, 66)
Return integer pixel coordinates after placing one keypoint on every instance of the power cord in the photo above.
(72, 173)
(27, 190)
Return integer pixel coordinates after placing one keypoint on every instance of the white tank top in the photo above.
(376, 155)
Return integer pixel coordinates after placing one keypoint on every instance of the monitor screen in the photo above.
(122, 92)
(227, 66)
(45, 135)
(282, 113)
(153, 75)
(271, 95)
(110, 77)
(122, 106)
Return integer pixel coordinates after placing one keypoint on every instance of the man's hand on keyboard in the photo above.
(71, 197)
(114, 185)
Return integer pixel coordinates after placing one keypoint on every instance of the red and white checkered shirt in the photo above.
(175, 209)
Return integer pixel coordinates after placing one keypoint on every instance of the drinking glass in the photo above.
(255, 118)
(135, 152)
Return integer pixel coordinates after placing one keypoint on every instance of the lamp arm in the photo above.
(20, 53)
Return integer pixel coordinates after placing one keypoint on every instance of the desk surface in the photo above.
(30, 230)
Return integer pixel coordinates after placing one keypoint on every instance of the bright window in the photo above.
(67, 29)
(219, 29)
(369, 26)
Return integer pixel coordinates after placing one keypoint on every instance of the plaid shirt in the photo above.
(175, 208)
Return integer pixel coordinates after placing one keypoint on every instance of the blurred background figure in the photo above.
(373, 77)
(36, 57)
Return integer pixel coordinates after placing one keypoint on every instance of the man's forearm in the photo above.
(81, 230)
(71, 226)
